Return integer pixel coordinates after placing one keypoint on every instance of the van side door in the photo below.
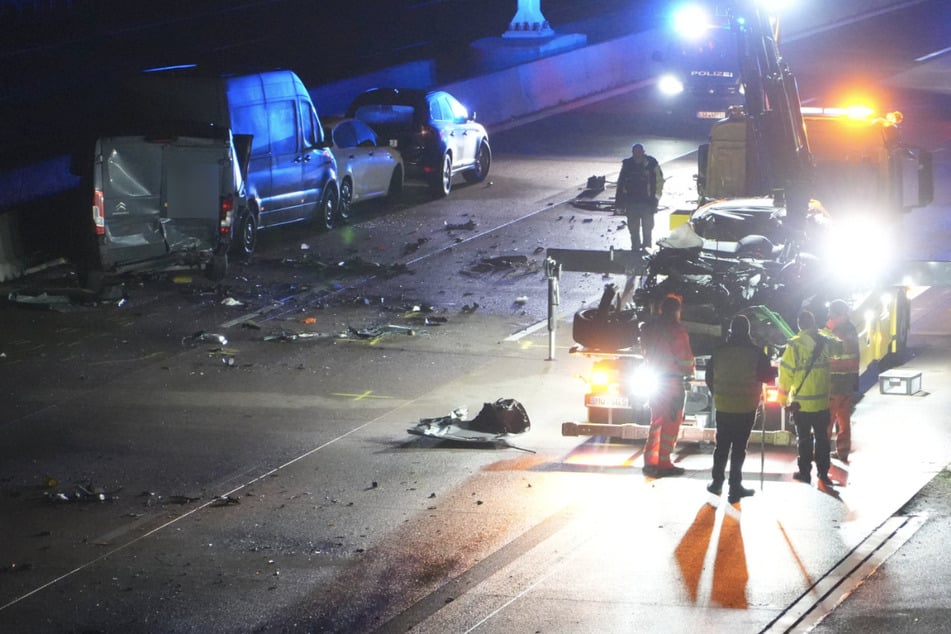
(288, 201)
(319, 165)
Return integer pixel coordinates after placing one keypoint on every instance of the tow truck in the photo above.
(759, 240)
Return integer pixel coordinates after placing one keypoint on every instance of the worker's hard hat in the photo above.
(670, 305)
(740, 326)
(838, 307)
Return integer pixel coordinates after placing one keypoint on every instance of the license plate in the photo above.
(709, 114)
(606, 401)
(394, 143)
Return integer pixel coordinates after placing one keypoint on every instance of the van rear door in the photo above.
(159, 203)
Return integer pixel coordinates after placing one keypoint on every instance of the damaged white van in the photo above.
(213, 160)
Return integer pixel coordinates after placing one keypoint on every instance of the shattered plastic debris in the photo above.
(373, 333)
(225, 500)
(521, 299)
(470, 308)
(500, 262)
(83, 493)
(286, 335)
(205, 337)
(231, 301)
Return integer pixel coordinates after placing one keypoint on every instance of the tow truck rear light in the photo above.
(600, 378)
(226, 215)
(98, 212)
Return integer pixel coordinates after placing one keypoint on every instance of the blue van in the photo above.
(291, 174)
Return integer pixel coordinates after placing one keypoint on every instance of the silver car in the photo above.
(366, 169)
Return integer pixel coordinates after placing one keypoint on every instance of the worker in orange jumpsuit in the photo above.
(666, 348)
(843, 377)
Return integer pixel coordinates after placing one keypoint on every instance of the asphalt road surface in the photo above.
(156, 480)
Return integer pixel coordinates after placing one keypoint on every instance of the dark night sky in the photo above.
(60, 60)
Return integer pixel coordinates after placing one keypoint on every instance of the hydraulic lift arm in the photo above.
(781, 148)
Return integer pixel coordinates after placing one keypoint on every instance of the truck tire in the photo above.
(217, 267)
(246, 235)
(92, 279)
(346, 200)
(615, 331)
(325, 213)
(395, 189)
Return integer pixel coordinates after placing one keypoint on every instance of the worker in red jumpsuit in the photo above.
(843, 377)
(666, 348)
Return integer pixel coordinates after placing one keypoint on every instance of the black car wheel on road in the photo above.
(326, 211)
(246, 234)
(482, 162)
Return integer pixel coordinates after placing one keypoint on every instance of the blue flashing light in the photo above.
(691, 21)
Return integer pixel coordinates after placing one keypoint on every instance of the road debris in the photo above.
(373, 333)
(287, 335)
(205, 337)
(82, 493)
(225, 500)
(466, 226)
(413, 247)
(492, 426)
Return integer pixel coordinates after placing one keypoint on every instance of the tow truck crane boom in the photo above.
(781, 148)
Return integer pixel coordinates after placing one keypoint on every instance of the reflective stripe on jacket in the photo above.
(735, 374)
(844, 358)
(813, 396)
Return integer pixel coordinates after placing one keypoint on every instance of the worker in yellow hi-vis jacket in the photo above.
(804, 387)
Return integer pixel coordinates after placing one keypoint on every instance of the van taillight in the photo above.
(98, 212)
(226, 215)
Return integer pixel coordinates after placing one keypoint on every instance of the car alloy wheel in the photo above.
(346, 200)
(442, 181)
(483, 160)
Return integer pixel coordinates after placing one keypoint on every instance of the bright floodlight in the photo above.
(691, 22)
(860, 249)
(670, 85)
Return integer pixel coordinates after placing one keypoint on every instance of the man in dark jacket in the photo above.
(639, 187)
(735, 373)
